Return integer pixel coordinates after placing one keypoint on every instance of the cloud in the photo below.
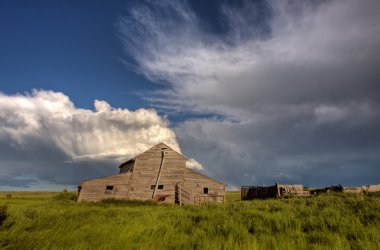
(44, 137)
(17, 182)
(316, 49)
(294, 84)
(193, 164)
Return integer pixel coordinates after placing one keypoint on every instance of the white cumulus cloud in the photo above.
(44, 136)
(191, 163)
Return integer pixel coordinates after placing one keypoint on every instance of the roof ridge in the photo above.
(122, 164)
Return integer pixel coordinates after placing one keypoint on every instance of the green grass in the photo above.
(25, 194)
(233, 196)
(333, 221)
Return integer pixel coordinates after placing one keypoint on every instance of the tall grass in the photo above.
(334, 221)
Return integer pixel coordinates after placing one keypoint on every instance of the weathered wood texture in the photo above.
(262, 192)
(96, 189)
(203, 188)
(146, 170)
(292, 190)
(154, 174)
(368, 188)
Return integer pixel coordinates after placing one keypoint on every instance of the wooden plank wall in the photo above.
(95, 189)
(196, 182)
(146, 170)
(369, 188)
(262, 192)
(284, 189)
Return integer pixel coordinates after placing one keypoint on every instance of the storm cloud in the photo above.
(292, 87)
(45, 139)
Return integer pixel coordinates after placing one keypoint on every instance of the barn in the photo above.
(160, 173)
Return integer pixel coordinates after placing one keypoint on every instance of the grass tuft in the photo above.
(66, 196)
(3, 213)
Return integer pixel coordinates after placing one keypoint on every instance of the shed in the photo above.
(277, 190)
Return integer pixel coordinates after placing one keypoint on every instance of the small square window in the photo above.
(205, 190)
(109, 189)
(160, 187)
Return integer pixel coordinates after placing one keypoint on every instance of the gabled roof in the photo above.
(134, 158)
(80, 184)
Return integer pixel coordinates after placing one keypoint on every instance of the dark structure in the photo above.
(278, 190)
(338, 188)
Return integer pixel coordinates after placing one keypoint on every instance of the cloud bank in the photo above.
(293, 86)
(44, 137)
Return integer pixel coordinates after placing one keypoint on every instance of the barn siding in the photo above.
(95, 189)
(146, 170)
(196, 182)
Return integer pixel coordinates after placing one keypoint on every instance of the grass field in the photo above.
(25, 194)
(334, 221)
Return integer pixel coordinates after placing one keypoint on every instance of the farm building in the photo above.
(361, 189)
(340, 188)
(160, 174)
(262, 192)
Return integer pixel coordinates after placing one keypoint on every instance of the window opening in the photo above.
(205, 190)
(152, 187)
(108, 189)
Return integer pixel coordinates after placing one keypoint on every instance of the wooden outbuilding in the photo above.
(160, 173)
(362, 189)
(278, 190)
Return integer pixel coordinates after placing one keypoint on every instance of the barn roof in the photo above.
(196, 172)
(134, 158)
(80, 184)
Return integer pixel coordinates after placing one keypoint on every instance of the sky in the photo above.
(252, 92)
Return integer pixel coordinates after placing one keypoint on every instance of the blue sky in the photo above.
(253, 91)
(67, 46)
(73, 47)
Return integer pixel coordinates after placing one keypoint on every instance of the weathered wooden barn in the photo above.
(160, 173)
(278, 190)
